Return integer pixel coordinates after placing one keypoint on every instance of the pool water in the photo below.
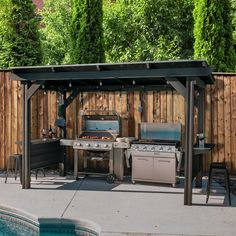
(8, 228)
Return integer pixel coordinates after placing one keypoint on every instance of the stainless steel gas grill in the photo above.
(96, 141)
(154, 155)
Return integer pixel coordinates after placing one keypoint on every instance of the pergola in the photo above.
(187, 77)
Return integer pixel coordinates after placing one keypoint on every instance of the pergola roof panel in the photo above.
(116, 76)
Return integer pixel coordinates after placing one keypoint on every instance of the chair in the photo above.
(218, 169)
(15, 159)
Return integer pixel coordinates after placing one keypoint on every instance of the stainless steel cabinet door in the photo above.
(142, 168)
(164, 169)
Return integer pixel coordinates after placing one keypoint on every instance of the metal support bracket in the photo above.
(199, 82)
(33, 88)
(70, 99)
(178, 86)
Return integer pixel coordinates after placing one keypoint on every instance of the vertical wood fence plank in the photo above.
(150, 107)
(157, 105)
(14, 117)
(137, 113)
(124, 116)
(20, 115)
(233, 122)
(220, 119)
(2, 117)
(163, 107)
(179, 112)
(41, 111)
(34, 116)
(169, 106)
(214, 124)
(7, 112)
(53, 108)
(208, 130)
(131, 114)
(45, 110)
(227, 121)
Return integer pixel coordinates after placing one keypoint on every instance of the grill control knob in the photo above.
(105, 145)
(153, 148)
(87, 144)
(96, 145)
(78, 144)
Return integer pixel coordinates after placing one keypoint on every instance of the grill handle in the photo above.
(102, 112)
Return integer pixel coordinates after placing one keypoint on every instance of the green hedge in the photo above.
(87, 32)
(213, 34)
(19, 38)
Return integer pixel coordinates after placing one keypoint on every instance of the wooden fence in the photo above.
(133, 107)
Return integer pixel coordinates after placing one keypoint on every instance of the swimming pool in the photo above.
(18, 223)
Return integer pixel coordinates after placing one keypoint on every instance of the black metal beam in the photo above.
(124, 88)
(26, 139)
(189, 126)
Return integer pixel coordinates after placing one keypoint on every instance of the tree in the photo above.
(55, 32)
(234, 23)
(213, 34)
(19, 38)
(87, 32)
(148, 29)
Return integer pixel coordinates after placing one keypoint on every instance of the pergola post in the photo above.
(189, 128)
(28, 92)
(62, 114)
(26, 138)
(201, 108)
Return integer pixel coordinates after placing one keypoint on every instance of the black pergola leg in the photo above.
(189, 142)
(201, 100)
(26, 139)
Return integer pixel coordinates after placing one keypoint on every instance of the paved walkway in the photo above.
(123, 208)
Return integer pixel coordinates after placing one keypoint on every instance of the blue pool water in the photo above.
(8, 228)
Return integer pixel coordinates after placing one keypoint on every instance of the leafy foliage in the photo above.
(213, 34)
(234, 22)
(148, 29)
(55, 32)
(19, 38)
(87, 32)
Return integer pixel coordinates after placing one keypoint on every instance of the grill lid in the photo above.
(109, 123)
(164, 132)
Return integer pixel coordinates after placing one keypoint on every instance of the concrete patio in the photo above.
(123, 208)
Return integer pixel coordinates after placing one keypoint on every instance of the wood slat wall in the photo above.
(133, 107)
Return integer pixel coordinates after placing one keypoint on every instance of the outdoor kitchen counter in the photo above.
(39, 141)
(198, 161)
(46, 152)
(67, 142)
(202, 150)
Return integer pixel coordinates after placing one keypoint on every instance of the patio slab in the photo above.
(123, 208)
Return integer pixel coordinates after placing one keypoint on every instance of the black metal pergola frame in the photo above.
(187, 77)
